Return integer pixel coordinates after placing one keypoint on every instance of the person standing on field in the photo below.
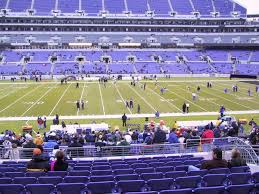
(78, 105)
(82, 104)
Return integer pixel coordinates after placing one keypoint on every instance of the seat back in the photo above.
(101, 187)
(11, 188)
(70, 188)
(40, 188)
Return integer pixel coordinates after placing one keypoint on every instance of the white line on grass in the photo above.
(206, 93)
(81, 98)
(143, 98)
(165, 100)
(122, 98)
(37, 101)
(19, 99)
(9, 93)
(230, 100)
(101, 97)
(187, 100)
(59, 99)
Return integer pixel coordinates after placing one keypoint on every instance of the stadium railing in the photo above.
(141, 150)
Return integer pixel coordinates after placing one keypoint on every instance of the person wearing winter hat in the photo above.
(38, 164)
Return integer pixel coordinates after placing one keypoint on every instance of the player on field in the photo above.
(77, 85)
(78, 105)
(138, 109)
(249, 92)
(194, 96)
(82, 104)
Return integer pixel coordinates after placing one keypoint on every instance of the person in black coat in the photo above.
(60, 164)
(159, 137)
(38, 162)
(124, 120)
(184, 107)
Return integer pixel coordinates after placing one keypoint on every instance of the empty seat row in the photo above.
(129, 187)
(172, 178)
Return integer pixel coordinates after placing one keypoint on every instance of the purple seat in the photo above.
(6, 180)
(40, 188)
(187, 182)
(14, 174)
(255, 177)
(165, 169)
(131, 186)
(82, 168)
(79, 173)
(148, 176)
(160, 184)
(103, 167)
(219, 171)
(179, 191)
(239, 169)
(101, 172)
(70, 188)
(211, 180)
(198, 172)
(35, 174)
(239, 178)
(182, 168)
(144, 170)
(52, 179)
(234, 189)
(11, 188)
(210, 190)
(191, 162)
(124, 177)
(76, 179)
(101, 187)
(57, 173)
(139, 165)
(101, 178)
(175, 174)
(7, 169)
(123, 171)
(156, 164)
(120, 166)
(24, 180)
(174, 163)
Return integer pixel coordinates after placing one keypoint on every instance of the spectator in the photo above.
(149, 139)
(38, 163)
(236, 159)
(38, 140)
(51, 141)
(173, 137)
(217, 132)
(15, 152)
(60, 164)
(216, 162)
(159, 136)
(207, 136)
(75, 143)
(40, 123)
(194, 140)
(252, 122)
(29, 142)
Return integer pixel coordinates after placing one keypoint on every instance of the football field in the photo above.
(49, 98)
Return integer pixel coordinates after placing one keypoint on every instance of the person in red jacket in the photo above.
(207, 136)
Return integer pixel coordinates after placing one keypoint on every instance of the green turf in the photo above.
(50, 98)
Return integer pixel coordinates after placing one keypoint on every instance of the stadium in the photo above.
(129, 96)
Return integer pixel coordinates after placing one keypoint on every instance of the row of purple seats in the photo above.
(124, 187)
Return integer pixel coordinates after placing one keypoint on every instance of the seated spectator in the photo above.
(194, 140)
(159, 136)
(51, 141)
(38, 140)
(236, 159)
(38, 163)
(60, 164)
(44, 156)
(216, 162)
(173, 137)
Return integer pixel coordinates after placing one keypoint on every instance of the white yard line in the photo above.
(165, 100)
(9, 93)
(122, 98)
(143, 98)
(187, 100)
(60, 99)
(131, 116)
(81, 97)
(101, 97)
(37, 101)
(206, 93)
(230, 100)
(19, 99)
